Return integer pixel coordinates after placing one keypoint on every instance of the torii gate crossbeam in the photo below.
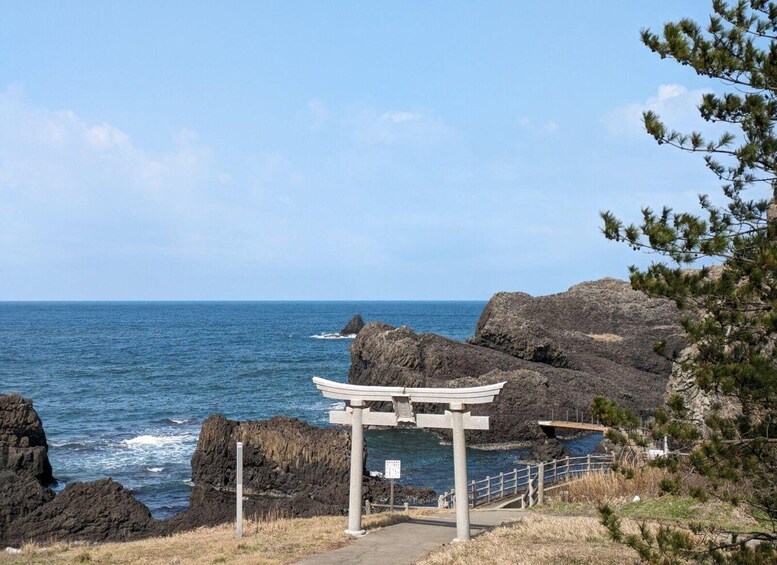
(456, 418)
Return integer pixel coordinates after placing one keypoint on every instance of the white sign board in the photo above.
(393, 468)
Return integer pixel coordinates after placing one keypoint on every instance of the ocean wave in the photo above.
(157, 441)
(155, 469)
(177, 421)
(333, 336)
(73, 445)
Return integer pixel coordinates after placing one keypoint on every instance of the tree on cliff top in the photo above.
(732, 322)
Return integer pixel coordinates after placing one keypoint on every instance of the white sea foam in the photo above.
(188, 482)
(333, 336)
(156, 441)
(376, 474)
(155, 469)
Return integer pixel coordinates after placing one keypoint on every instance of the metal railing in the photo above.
(528, 482)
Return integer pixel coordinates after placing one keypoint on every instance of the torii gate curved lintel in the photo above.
(456, 418)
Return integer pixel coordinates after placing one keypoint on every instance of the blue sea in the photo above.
(122, 388)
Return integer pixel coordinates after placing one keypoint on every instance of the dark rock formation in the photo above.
(589, 328)
(25, 471)
(97, 511)
(289, 469)
(23, 446)
(354, 326)
(556, 352)
(20, 495)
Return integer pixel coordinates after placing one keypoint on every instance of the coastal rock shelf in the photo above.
(290, 469)
(555, 352)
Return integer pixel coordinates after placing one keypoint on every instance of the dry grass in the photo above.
(610, 487)
(611, 338)
(538, 539)
(272, 542)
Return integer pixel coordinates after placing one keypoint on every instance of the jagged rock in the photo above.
(555, 353)
(25, 471)
(354, 326)
(547, 450)
(97, 511)
(289, 469)
(19, 496)
(697, 402)
(594, 326)
(23, 446)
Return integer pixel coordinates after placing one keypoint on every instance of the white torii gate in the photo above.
(456, 417)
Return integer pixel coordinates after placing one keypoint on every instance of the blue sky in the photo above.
(330, 150)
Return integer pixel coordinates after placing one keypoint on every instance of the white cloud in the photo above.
(674, 103)
(397, 127)
(68, 186)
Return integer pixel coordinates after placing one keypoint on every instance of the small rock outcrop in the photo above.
(23, 446)
(554, 352)
(353, 327)
(25, 471)
(289, 469)
(97, 511)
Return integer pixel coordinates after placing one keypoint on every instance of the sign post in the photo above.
(392, 471)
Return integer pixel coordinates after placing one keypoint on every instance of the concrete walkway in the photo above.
(407, 542)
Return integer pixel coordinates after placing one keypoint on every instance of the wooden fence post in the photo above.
(501, 485)
(367, 508)
(488, 489)
(588, 462)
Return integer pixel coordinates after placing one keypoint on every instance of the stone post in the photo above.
(239, 492)
(540, 483)
(460, 472)
(357, 470)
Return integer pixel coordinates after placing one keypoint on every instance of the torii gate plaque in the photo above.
(456, 417)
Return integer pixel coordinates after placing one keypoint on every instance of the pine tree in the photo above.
(731, 321)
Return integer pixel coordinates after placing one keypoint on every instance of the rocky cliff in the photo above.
(25, 471)
(555, 352)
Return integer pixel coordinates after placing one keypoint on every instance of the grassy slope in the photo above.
(270, 543)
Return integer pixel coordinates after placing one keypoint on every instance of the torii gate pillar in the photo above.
(456, 418)
(357, 468)
(460, 472)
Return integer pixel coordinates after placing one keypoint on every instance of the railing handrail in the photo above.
(530, 480)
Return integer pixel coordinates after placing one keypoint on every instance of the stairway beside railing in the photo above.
(530, 481)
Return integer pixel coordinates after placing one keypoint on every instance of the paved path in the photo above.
(407, 542)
